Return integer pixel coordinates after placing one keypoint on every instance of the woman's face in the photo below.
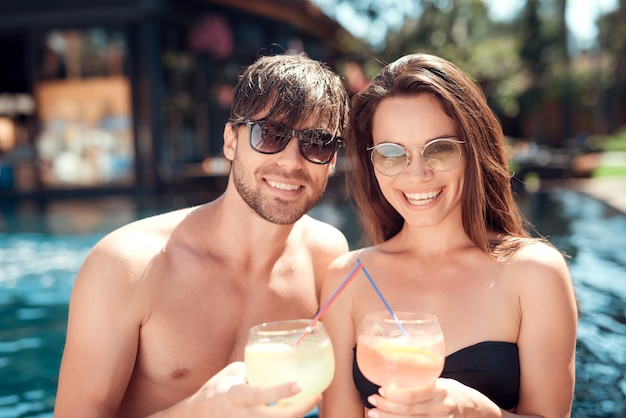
(422, 193)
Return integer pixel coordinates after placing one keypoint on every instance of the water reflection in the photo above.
(41, 251)
(594, 235)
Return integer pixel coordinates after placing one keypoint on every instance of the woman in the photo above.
(431, 183)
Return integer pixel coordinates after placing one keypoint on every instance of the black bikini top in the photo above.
(490, 367)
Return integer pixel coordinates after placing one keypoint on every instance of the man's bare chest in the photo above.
(195, 331)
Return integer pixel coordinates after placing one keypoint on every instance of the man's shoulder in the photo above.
(322, 234)
(145, 235)
(314, 226)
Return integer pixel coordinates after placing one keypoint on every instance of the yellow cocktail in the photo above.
(272, 358)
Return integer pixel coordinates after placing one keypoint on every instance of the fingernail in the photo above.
(372, 413)
(372, 400)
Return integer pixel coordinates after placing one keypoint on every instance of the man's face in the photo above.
(279, 187)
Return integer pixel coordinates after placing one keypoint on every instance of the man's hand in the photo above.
(227, 395)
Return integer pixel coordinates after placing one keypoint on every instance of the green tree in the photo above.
(611, 59)
(523, 65)
(562, 45)
(462, 31)
(532, 50)
(619, 96)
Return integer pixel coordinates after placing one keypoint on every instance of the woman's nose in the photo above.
(416, 167)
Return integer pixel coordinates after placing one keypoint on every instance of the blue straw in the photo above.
(380, 295)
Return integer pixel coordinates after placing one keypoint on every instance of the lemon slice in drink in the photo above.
(400, 347)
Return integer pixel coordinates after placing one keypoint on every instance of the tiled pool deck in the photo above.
(612, 191)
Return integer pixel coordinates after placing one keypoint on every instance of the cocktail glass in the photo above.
(271, 357)
(406, 352)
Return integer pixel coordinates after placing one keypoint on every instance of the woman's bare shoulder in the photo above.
(539, 267)
(348, 261)
(540, 254)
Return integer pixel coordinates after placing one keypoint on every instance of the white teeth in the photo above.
(421, 198)
(283, 186)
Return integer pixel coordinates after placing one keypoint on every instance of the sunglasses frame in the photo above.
(407, 154)
(337, 141)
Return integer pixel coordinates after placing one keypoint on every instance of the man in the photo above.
(161, 308)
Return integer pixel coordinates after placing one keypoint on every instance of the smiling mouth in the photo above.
(283, 186)
(420, 199)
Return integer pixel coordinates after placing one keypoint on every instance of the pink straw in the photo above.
(323, 309)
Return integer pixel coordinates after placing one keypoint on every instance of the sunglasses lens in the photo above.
(439, 155)
(389, 159)
(442, 155)
(317, 146)
(268, 138)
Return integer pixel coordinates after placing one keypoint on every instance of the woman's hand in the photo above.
(444, 398)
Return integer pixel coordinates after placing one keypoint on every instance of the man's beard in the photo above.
(276, 210)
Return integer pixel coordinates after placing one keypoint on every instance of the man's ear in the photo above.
(332, 164)
(230, 141)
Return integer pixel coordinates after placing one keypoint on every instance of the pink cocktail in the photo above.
(402, 357)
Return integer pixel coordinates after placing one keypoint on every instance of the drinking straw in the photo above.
(323, 309)
(380, 295)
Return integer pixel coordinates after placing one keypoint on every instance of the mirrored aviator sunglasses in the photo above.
(442, 154)
(315, 145)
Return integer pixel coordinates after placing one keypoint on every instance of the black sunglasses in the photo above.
(316, 145)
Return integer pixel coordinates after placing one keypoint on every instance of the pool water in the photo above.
(42, 248)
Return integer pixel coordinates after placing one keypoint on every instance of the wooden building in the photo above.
(107, 96)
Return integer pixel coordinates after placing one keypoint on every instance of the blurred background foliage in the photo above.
(522, 63)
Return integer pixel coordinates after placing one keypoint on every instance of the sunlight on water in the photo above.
(598, 237)
(40, 255)
(35, 282)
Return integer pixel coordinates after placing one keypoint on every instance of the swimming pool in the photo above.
(41, 250)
